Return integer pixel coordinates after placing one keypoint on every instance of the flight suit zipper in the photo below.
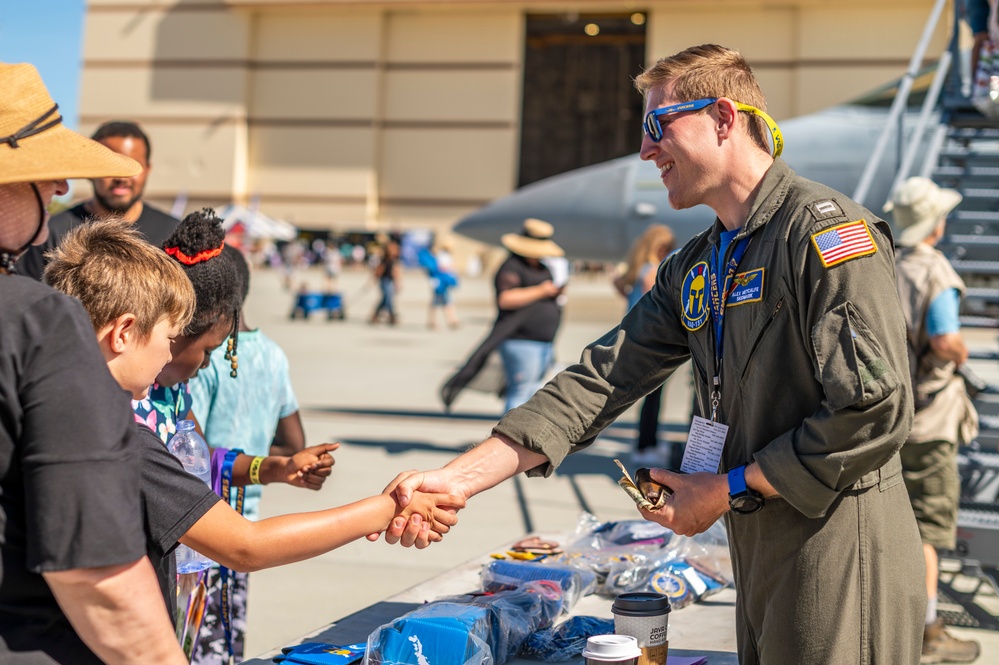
(763, 332)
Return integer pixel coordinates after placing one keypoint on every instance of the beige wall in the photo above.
(348, 114)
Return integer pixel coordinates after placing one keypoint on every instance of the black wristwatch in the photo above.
(741, 499)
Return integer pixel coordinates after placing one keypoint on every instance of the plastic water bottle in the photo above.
(192, 451)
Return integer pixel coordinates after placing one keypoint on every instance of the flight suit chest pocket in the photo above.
(852, 365)
(759, 343)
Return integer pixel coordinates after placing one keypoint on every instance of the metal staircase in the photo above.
(962, 152)
(969, 162)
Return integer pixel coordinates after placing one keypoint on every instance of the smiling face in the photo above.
(687, 154)
(122, 195)
(191, 354)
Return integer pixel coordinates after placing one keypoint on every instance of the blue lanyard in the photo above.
(719, 294)
(225, 491)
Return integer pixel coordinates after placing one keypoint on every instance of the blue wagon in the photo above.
(312, 301)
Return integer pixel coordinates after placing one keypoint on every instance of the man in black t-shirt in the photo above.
(120, 196)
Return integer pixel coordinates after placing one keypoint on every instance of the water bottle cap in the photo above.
(185, 425)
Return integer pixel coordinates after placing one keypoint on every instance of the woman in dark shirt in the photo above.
(525, 292)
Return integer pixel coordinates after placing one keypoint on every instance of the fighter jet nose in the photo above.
(579, 204)
(599, 210)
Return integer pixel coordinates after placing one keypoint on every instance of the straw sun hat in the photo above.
(36, 146)
(919, 204)
(534, 241)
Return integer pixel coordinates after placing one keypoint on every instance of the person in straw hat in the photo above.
(526, 292)
(930, 292)
(73, 545)
(527, 320)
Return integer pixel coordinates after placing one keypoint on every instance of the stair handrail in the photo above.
(899, 103)
(929, 103)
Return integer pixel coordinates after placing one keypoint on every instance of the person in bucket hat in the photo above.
(526, 322)
(534, 241)
(74, 549)
(920, 209)
(527, 293)
(930, 291)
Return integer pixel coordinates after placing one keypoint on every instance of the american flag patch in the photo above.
(844, 242)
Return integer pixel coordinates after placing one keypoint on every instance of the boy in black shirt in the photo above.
(139, 300)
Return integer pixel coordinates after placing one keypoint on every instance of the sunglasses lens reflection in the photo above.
(652, 127)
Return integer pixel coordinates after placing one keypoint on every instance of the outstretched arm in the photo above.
(246, 546)
(118, 612)
(481, 468)
(308, 468)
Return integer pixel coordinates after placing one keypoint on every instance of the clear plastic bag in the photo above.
(474, 629)
(574, 582)
(637, 555)
(565, 641)
(515, 614)
(433, 633)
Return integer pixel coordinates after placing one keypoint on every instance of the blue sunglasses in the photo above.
(653, 125)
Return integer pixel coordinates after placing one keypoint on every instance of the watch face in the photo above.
(745, 503)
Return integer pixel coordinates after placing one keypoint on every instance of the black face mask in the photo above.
(8, 260)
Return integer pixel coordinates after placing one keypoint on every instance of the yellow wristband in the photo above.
(255, 470)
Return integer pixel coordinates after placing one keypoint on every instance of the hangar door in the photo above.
(579, 104)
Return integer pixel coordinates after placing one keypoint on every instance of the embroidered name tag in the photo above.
(844, 242)
(746, 287)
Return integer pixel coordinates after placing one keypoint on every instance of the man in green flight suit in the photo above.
(787, 307)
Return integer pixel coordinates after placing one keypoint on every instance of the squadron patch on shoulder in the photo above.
(844, 242)
(746, 287)
(693, 297)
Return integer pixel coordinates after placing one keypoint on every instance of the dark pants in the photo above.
(648, 422)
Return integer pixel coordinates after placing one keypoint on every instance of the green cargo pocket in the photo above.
(853, 368)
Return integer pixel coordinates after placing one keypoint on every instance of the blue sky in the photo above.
(47, 33)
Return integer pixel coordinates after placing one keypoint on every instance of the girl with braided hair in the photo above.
(197, 246)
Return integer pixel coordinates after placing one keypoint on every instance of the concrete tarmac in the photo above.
(374, 389)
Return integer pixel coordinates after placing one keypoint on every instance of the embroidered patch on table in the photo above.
(746, 287)
(844, 242)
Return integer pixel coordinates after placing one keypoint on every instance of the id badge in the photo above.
(704, 446)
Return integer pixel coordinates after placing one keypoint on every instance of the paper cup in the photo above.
(616, 649)
(644, 616)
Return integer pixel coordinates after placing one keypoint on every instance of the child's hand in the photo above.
(311, 467)
(434, 512)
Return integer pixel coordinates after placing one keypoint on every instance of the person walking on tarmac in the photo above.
(787, 308)
(931, 291)
(389, 276)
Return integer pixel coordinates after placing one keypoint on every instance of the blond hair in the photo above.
(646, 249)
(112, 270)
(706, 71)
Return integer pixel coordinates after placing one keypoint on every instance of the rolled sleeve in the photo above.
(613, 372)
